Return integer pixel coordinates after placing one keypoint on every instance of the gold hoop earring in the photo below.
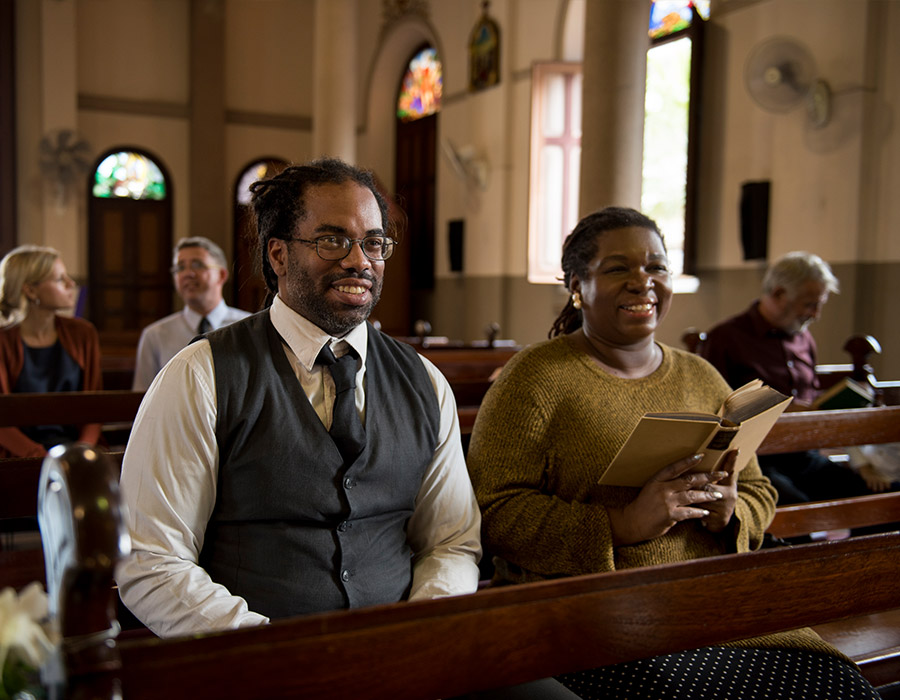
(576, 300)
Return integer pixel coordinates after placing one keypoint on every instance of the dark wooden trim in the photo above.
(144, 108)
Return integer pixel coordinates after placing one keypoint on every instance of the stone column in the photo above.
(207, 123)
(47, 102)
(615, 71)
(335, 80)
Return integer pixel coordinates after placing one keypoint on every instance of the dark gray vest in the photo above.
(294, 529)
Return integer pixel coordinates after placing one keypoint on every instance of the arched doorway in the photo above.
(129, 242)
(248, 289)
(418, 104)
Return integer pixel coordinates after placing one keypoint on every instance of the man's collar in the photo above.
(216, 316)
(305, 338)
(761, 326)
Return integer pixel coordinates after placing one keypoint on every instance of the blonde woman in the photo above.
(41, 350)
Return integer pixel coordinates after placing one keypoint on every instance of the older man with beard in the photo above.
(771, 341)
(299, 460)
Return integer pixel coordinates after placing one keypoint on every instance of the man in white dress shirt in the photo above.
(199, 271)
(245, 504)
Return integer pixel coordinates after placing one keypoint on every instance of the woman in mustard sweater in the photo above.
(40, 350)
(554, 420)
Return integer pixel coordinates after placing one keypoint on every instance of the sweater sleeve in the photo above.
(528, 519)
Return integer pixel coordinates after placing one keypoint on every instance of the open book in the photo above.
(847, 393)
(662, 438)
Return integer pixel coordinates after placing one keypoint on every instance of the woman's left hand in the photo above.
(721, 510)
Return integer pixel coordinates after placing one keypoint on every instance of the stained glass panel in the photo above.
(129, 174)
(420, 94)
(670, 16)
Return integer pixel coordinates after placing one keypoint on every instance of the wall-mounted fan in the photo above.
(470, 168)
(781, 75)
(64, 158)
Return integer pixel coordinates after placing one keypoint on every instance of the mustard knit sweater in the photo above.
(544, 434)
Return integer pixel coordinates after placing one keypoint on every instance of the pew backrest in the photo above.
(808, 430)
(508, 635)
(840, 514)
(66, 408)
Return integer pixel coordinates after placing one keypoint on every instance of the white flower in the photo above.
(21, 631)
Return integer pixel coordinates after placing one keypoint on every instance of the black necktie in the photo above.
(205, 326)
(346, 429)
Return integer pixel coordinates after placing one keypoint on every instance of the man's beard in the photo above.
(798, 326)
(308, 297)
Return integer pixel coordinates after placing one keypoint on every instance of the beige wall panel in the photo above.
(134, 50)
(269, 48)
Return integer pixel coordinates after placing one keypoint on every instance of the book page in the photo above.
(750, 400)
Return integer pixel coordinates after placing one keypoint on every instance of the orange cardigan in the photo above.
(79, 338)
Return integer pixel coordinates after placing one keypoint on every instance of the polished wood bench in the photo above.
(497, 637)
(449, 647)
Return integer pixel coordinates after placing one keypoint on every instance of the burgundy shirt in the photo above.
(747, 346)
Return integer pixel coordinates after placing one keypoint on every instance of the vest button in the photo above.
(345, 575)
(344, 526)
(349, 483)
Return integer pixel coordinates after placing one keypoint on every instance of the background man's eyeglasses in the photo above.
(375, 248)
(194, 266)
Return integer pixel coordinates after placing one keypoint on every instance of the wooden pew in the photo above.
(84, 536)
(514, 634)
(69, 407)
(498, 637)
(807, 430)
(506, 635)
(838, 514)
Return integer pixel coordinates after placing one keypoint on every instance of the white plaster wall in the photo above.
(811, 206)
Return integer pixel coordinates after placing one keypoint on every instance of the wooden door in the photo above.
(130, 253)
(409, 279)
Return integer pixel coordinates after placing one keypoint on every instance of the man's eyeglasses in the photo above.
(375, 248)
(197, 266)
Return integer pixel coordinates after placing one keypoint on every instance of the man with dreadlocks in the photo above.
(299, 460)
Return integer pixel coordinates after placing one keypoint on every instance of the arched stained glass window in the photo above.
(420, 93)
(129, 174)
(670, 16)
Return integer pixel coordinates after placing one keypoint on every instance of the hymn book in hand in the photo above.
(659, 439)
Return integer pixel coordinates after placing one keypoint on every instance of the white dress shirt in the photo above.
(170, 471)
(163, 338)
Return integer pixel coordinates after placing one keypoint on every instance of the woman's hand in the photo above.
(721, 510)
(676, 494)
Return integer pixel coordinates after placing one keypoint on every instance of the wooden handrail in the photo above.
(837, 514)
(509, 635)
(807, 430)
(64, 408)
